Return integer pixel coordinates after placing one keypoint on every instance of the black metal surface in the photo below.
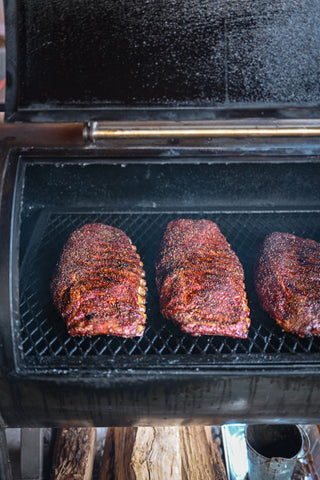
(192, 59)
(141, 198)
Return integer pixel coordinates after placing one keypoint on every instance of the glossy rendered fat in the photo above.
(98, 286)
(287, 281)
(200, 280)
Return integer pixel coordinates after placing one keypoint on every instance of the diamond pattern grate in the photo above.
(43, 334)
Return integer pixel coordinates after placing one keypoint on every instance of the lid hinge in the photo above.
(95, 131)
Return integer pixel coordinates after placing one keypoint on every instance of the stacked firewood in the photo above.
(140, 453)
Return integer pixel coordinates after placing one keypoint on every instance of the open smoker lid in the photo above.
(81, 60)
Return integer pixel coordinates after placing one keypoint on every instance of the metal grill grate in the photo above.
(43, 336)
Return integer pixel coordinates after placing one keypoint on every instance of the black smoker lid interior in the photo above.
(161, 59)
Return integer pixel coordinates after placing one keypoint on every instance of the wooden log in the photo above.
(107, 465)
(123, 444)
(157, 453)
(74, 454)
(200, 456)
(216, 456)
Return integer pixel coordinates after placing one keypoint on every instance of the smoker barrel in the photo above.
(189, 67)
(165, 376)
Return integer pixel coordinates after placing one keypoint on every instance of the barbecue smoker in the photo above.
(193, 109)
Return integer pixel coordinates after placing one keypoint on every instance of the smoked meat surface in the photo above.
(200, 280)
(98, 286)
(287, 281)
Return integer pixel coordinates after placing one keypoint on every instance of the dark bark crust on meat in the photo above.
(287, 281)
(200, 280)
(98, 286)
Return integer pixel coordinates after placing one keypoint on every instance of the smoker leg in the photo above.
(5, 467)
(31, 453)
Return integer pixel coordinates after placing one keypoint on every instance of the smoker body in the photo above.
(232, 136)
(165, 377)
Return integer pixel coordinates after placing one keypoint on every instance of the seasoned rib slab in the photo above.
(200, 280)
(287, 281)
(98, 286)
